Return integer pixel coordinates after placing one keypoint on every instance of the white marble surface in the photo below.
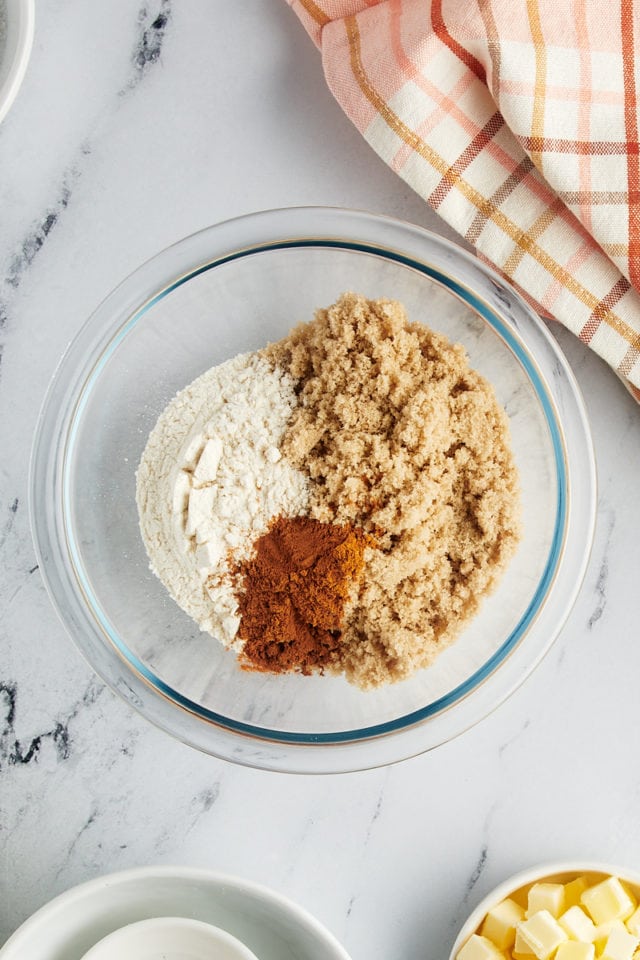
(138, 123)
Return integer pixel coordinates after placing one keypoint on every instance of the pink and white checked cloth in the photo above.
(517, 120)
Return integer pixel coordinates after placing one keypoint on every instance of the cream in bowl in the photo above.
(169, 938)
(581, 911)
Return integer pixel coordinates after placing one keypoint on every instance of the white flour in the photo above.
(210, 480)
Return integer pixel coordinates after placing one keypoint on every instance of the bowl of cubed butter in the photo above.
(562, 911)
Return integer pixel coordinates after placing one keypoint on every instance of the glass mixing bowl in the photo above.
(232, 288)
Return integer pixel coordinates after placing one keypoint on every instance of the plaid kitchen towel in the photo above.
(517, 120)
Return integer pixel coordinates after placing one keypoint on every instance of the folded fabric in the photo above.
(517, 121)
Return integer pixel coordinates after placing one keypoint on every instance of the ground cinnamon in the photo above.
(292, 593)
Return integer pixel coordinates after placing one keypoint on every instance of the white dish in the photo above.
(267, 923)
(15, 50)
(169, 938)
(560, 872)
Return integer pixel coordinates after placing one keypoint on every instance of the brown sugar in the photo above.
(401, 438)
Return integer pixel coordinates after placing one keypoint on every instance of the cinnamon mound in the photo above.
(293, 593)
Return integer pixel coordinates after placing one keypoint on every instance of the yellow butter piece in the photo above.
(546, 896)
(542, 934)
(620, 945)
(520, 948)
(575, 950)
(480, 948)
(604, 931)
(608, 900)
(633, 923)
(500, 923)
(578, 925)
(573, 891)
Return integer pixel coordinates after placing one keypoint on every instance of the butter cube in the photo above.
(604, 931)
(578, 925)
(573, 891)
(573, 950)
(546, 896)
(608, 900)
(633, 923)
(500, 923)
(542, 934)
(480, 948)
(621, 945)
(521, 950)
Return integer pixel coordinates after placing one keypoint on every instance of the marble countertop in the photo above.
(137, 124)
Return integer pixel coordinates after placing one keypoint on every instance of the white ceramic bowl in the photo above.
(172, 938)
(561, 872)
(15, 49)
(267, 923)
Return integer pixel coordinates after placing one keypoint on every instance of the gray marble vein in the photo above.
(476, 873)
(609, 519)
(90, 820)
(33, 242)
(15, 751)
(513, 739)
(152, 24)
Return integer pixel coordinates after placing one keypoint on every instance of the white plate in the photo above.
(271, 926)
(171, 938)
(16, 50)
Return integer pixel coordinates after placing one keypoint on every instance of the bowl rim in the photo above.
(197, 875)
(311, 226)
(17, 50)
(532, 875)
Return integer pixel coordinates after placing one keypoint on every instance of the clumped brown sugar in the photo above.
(402, 439)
